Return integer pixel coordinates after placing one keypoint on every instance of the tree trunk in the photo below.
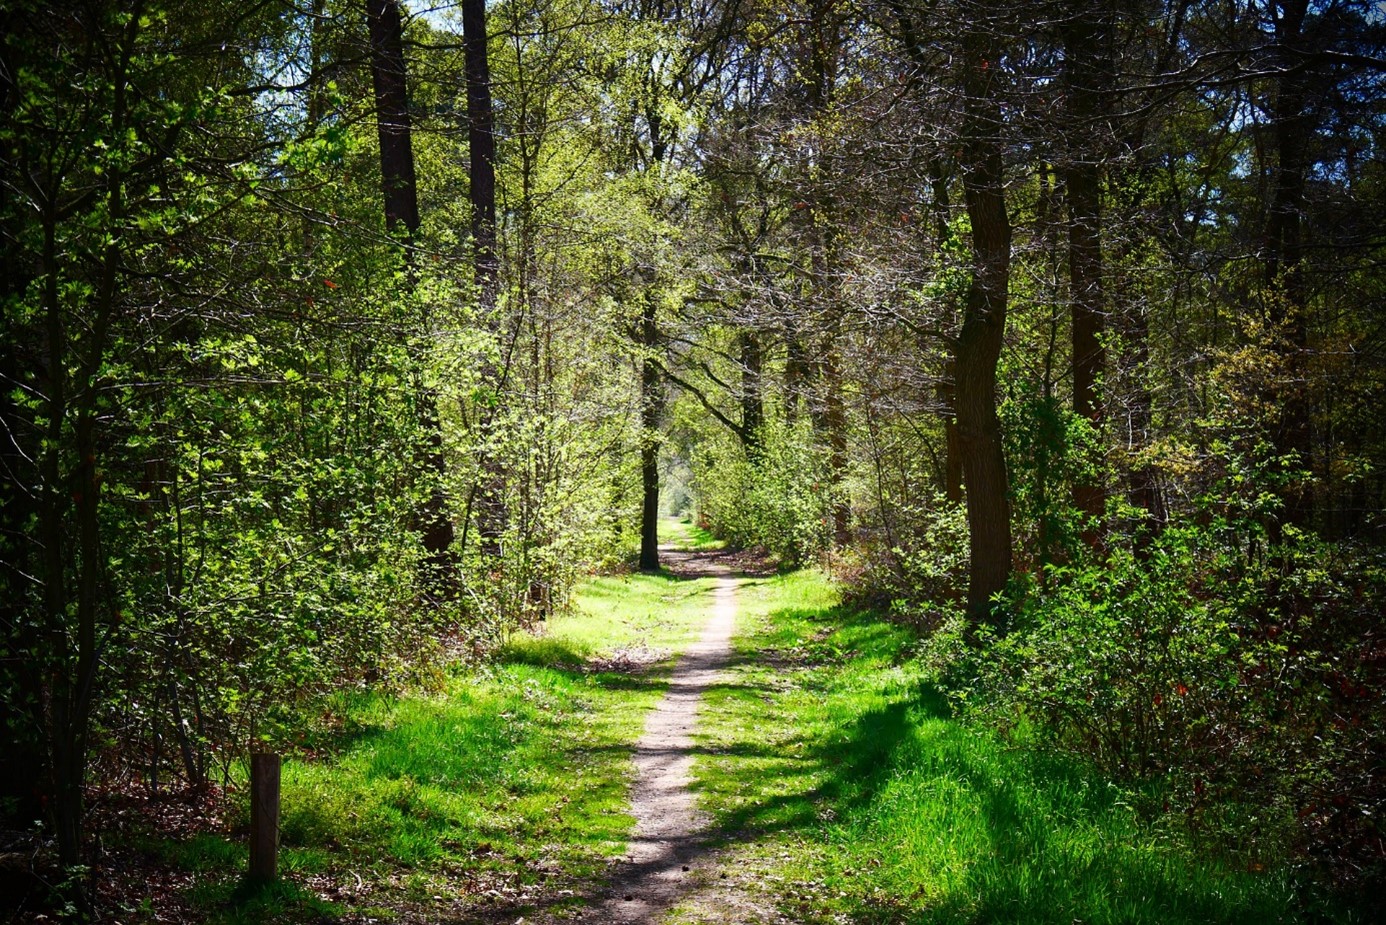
(399, 188)
(1086, 76)
(65, 764)
(392, 118)
(1142, 482)
(984, 324)
(1131, 192)
(947, 386)
(835, 423)
(481, 147)
(76, 556)
(795, 366)
(1284, 248)
(481, 174)
(651, 406)
(829, 413)
(752, 395)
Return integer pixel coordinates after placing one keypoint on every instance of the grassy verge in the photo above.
(865, 802)
(685, 534)
(506, 787)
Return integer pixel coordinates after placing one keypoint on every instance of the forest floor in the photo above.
(716, 744)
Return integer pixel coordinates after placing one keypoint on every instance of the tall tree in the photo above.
(401, 198)
(481, 191)
(1291, 127)
(393, 127)
(979, 343)
(78, 166)
(1088, 73)
(481, 148)
(651, 410)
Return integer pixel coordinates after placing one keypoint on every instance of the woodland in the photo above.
(345, 341)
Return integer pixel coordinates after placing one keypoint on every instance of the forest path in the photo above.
(666, 856)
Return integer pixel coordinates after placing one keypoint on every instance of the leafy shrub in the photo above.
(776, 500)
(1121, 660)
(926, 570)
(1240, 683)
(1050, 449)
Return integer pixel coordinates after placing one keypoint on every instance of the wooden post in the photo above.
(264, 817)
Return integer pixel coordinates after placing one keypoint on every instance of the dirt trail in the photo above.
(666, 851)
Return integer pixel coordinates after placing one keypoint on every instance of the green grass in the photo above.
(865, 801)
(685, 534)
(508, 778)
(841, 786)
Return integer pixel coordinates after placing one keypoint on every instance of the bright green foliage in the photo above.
(927, 571)
(1049, 450)
(550, 430)
(504, 777)
(233, 401)
(1230, 685)
(777, 498)
(215, 430)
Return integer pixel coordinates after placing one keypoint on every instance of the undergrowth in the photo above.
(867, 800)
(506, 785)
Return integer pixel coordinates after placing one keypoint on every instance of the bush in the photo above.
(775, 500)
(1240, 683)
(925, 572)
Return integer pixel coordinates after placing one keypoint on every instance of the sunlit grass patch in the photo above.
(683, 533)
(493, 761)
(866, 801)
(654, 610)
(510, 779)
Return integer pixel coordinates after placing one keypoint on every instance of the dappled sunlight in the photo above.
(917, 816)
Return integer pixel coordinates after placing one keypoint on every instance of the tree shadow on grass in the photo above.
(837, 774)
(847, 765)
(1041, 866)
(1055, 844)
(844, 766)
(576, 664)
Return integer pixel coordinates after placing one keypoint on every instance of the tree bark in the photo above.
(481, 174)
(835, 424)
(979, 344)
(795, 366)
(651, 407)
(392, 118)
(752, 393)
(481, 147)
(1086, 75)
(73, 615)
(1284, 249)
(947, 386)
(399, 188)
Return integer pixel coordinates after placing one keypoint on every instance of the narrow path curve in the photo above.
(666, 848)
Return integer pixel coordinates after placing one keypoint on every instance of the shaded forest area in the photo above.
(342, 339)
